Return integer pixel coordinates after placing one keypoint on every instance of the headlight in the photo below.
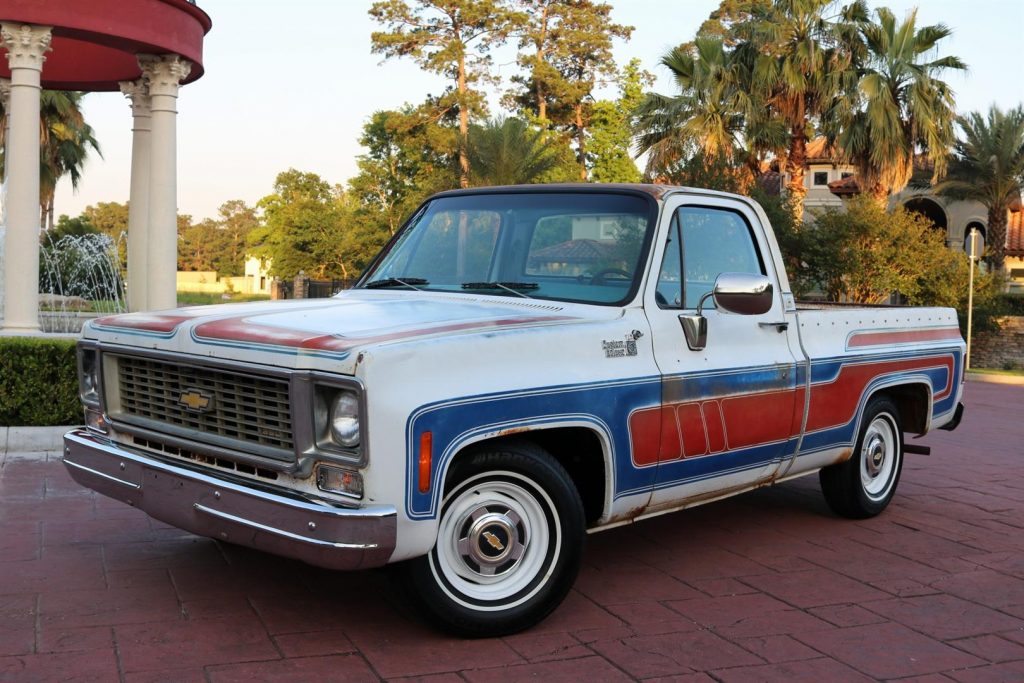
(344, 419)
(88, 376)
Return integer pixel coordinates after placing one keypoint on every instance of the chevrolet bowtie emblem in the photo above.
(195, 400)
(493, 541)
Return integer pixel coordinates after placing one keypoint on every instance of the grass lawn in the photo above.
(205, 299)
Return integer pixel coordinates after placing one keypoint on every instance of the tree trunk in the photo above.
(542, 105)
(879, 193)
(463, 126)
(995, 238)
(581, 142)
(49, 213)
(796, 164)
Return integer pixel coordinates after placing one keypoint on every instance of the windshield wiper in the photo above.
(409, 282)
(512, 287)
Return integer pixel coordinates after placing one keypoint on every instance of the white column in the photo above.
(26, 51)
(5, 95)
(163, 75)
(138, 202)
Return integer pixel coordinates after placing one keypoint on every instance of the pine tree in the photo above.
(451, 38)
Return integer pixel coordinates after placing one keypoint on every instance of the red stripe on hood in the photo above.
(151, 322)
(241, 330)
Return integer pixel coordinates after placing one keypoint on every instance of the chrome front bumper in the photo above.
(320, 534)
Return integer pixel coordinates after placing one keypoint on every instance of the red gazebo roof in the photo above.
(95, 42)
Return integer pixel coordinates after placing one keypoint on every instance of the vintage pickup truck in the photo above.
(518, 367)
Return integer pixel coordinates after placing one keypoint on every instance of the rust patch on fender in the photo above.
(844, 456)
(513, 430)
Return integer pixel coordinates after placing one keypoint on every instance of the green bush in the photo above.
(1011, 304)
(38, 382)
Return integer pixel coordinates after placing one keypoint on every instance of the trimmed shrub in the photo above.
(1011, 304)
(38, 382)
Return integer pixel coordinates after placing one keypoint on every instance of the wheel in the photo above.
(509, 543)
(862, 486)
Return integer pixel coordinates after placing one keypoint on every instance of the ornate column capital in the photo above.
(137, 93)
(26, 45)
(164, 73)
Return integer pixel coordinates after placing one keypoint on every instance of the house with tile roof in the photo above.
(829, 180)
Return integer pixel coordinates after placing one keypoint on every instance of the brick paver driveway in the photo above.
(767, 586)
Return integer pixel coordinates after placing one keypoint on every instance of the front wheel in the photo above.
(509, 543)
(862, 486)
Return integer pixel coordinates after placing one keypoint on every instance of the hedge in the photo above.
(38, 382)
(1011, 304)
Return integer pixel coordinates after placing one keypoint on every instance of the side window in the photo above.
(714, 241)
(669, 293)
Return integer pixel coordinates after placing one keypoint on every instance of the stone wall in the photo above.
(1002, 350)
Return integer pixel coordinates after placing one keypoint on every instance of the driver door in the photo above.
(730, 411)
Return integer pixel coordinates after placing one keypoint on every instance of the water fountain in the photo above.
(79, 277)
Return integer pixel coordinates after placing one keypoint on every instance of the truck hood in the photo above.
(328, 334)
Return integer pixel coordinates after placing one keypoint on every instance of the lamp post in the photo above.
(972, 254)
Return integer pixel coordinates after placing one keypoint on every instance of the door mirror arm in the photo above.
(695, 327)
(741, 293)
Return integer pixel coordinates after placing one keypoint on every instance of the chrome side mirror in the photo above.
(741, 293)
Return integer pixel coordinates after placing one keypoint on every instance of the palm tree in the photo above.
(510, 152)
(800, 63)
(706, 116)
(65, 140)
(901, 108)
(988, 167)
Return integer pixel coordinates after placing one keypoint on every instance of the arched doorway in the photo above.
(930, 209)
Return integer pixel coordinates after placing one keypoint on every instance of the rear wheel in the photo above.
(510, 538)
(862, 486)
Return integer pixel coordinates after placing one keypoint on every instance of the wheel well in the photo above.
(912, 402)
(578, 450)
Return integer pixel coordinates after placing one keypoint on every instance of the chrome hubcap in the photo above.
(493, 540)
(878, 457)
(875, 455)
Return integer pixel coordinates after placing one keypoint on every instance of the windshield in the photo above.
(585, 247)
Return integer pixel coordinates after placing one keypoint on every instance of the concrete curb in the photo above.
(995, 379)
(32, 439)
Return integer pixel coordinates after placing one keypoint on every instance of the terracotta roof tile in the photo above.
(845, 186)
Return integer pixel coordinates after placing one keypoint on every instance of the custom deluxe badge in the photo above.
(615, 348)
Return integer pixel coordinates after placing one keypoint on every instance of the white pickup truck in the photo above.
(518, 367)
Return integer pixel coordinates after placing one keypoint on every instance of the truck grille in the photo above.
(233, 406)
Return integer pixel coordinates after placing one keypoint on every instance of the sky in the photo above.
(290, 85)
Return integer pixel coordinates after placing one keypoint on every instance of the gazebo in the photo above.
(146, 49)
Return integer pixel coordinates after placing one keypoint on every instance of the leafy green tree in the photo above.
(988, 167)
(311, 226)
(864, 254)
(235, 221)
(451, 38)
(611, 126)
(199, 245)
(409, 156)
(900, 105)
(510, 152)
(77, 226)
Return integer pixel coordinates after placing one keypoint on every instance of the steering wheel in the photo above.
(599, 276)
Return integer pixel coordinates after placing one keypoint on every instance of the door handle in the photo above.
(780, 326)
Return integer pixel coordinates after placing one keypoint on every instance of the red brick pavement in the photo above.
(767, 586)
